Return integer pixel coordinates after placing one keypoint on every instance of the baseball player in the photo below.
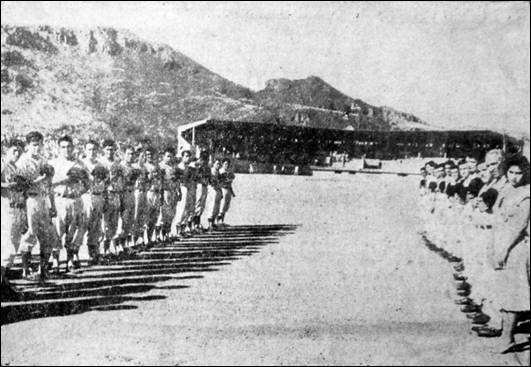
(193, 180)
(14, 221)
(170, 191)
(203, 175)
(214, 195)
(94, 200)
(140, 198)
(185, 205)
(69, 183)
(112, 205)
(226, 179)
(153, 195)
(40, 206)
(131, 174)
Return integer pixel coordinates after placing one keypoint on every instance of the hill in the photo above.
(108, 81)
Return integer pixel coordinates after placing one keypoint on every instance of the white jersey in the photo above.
(31, 168)
(60, 179)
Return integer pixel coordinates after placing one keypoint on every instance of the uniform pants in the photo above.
(93, 209)
(185, 207)
(41, 229)
(213, 202)
(69, 222)
(111, 214)
(152, 210)
(202, 193)
(190, 209)
(169, 202)
(128, 213)
(14, 223)
(225, 201)
(140, 212)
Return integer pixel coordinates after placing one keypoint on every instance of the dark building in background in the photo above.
(289, 144)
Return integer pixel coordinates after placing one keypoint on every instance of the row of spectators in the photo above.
(477, 218)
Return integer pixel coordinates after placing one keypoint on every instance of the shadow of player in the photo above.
(107, 287)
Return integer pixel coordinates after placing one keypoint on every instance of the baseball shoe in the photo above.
(481, 319)
(463, 301)
(489, 332)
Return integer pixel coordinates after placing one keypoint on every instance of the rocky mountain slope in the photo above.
(101, 81)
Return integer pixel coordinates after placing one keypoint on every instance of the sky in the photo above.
(454, 65)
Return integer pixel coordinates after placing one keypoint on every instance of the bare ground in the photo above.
(352, 285)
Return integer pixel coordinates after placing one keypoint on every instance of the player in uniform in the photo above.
(40, 206)
(14, 221)
(153, 195)
(113, 200)
(185, 205)
(131, 174)
(170, 192)
(193, 179)
(203, 176)
(214, 195)
(140, 198)
(70, 182)
(226, 179)
(94, 200)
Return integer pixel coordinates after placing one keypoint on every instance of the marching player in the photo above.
(203, 176)
(113, 200)
(214, 195)
(185, 205)
(131, 174)
(14, 221)
(69, 183)
(93, 200)
(170, 191)
(154, 192)
(40, 206)
(226, 179)
(192, 193)
(140, 198)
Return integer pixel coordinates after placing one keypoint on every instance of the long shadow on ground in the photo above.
(107, 287)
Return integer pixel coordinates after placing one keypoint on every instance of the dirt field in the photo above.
(353, 284)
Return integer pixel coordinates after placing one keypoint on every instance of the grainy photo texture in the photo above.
(265, 183)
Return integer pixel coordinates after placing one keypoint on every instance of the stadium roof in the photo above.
(185, 127)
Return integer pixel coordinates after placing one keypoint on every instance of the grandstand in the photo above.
(291, 145)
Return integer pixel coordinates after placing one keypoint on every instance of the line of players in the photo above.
(111, 205)
(477, 218)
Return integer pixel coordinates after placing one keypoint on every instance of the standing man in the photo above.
(214, 195)
(69, 183)
(40, 206)
(112, 206)
(185, 205)
(154, 193)
(203, 176)
(140, 198)
(94, 200)
(170, 191)
(14, 221)
(226, 179)
(192, 192)
(131, 174)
